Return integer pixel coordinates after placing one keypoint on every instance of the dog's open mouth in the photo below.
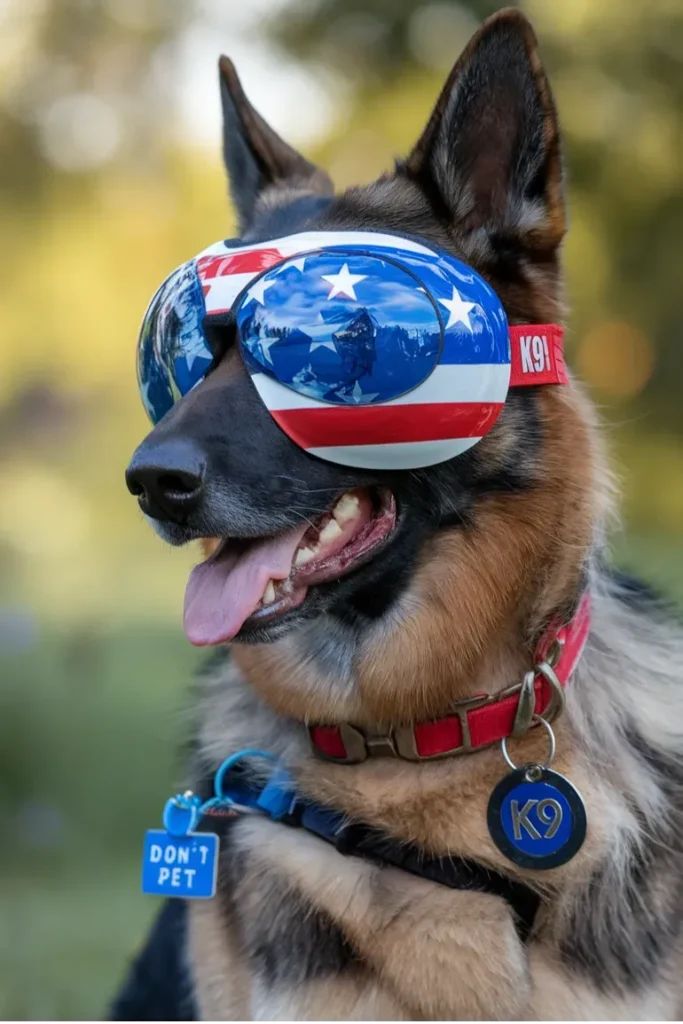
(249, 583)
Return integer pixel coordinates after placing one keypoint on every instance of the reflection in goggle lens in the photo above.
(173, 354)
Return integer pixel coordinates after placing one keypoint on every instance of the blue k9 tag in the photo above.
(180, 865)
(537, 818)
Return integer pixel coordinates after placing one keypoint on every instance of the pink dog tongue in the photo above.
(223, 592)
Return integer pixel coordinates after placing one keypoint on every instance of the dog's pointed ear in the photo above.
(255, 156)
(489, 158)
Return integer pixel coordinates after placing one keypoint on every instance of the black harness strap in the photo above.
(454, 872)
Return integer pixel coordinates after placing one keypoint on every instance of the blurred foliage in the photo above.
(100, 198)
(79, 88)
(91, 727)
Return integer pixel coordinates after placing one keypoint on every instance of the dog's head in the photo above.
(382, 596)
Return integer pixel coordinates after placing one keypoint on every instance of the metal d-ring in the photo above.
(551, 736)
(526, 702)
(557, 698)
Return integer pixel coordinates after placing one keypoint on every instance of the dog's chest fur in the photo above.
(298, 931)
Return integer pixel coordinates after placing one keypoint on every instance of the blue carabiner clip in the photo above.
(229, 763)
(182, 813)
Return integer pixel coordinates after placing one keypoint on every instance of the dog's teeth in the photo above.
(329, 532)
(268, 593)
(346, 508)
(304, 555)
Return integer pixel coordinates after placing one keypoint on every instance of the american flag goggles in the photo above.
(368, 350)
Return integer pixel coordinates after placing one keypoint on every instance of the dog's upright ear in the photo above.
(255, 156)
(489, 158)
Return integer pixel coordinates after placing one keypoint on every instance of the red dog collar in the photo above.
(478, 721)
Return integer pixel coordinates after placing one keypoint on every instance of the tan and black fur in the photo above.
(488, 549)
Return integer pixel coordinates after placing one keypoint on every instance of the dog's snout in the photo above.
(168, 479)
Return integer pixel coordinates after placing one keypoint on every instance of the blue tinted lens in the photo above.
(173, 354)
(341, 326)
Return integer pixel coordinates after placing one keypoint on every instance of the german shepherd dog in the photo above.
(483, 552)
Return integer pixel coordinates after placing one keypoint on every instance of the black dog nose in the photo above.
(167, 478)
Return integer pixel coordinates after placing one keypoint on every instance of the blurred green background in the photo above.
(109, 177)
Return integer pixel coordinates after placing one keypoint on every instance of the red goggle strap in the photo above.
(536, 355)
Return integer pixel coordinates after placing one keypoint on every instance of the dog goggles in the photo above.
(368, 350)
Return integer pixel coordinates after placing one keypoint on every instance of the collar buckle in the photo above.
(358, 746)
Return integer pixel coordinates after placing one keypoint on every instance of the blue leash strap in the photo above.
(276, 798)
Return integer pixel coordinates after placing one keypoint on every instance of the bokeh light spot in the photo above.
(617, 358)
(80, 132)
